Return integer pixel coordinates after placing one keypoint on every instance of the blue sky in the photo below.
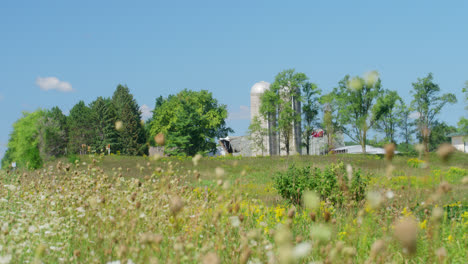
(161, 47)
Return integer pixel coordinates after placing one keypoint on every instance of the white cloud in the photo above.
(53, 83)
(242, 114)
(146, 112)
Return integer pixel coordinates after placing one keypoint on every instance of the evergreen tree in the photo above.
(104, 116)
(80, 127)
(52, 134)
(132, 138)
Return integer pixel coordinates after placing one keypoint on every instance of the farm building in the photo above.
(460, 141)
(357, 149)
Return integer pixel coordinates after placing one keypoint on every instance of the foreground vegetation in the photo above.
(116, 209)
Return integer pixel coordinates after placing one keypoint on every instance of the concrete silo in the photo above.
(255, 100)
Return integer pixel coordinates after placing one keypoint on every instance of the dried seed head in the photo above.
(311, 200)
(406, 232)
(326, 216)
(219, 172)
(119, 125)
(389, 151)
(444, 187)
(160, 139)
(196, 159)
(349, 172)
(441, 254)
(437, 214)
(465, 180)
(377, 248)
(211, 258)
(445, 150)
(176, 204)
(291, 213)
(312, 216)
(374, 199)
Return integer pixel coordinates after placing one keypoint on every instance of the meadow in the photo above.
(119, 209)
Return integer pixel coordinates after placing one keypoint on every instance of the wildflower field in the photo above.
(117, 209)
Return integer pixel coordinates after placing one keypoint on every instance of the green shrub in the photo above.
(72, 158)
(332, 183)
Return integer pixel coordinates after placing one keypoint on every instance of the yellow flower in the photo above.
(423, 224)
(450, 238)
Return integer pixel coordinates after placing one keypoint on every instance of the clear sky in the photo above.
(60, 52)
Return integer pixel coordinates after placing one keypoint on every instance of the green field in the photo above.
(227, 210)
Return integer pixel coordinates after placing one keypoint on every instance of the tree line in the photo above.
(191, 120)
(354, 107)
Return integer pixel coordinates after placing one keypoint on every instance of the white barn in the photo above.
(357, 149)
(460, 141)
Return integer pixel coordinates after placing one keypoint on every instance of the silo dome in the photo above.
(260, 87)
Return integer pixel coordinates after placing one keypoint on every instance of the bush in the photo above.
(73, 158)
(332, 183)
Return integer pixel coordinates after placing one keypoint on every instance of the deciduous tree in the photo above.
(428, 103)
(356, 102)
(191, 121)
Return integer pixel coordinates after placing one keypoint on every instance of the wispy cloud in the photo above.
(242, 114)
(53, 83)
(146, 112)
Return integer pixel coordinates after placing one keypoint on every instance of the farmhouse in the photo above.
(460, 141)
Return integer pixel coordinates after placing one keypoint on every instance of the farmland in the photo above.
(120, 209)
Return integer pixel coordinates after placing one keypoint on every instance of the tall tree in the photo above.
(356, 101)
(104, 117)
(258, 134)
(80, 127)
(52, 134)
(190, 122)
(282, 103)
(23, 143)
(428, 103)
(132, 134)
(405, 123)
(390, 103)
(330, 122)
(310, 110)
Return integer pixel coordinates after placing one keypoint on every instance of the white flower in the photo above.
(390, 195)
(80, 209)
(235, 222)
(5, 259)
(10, 187)
(114, 262)
(302, 250)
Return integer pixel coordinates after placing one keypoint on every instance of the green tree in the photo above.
(104, 117)
(330, 121)
(80, 127)
(356, 102)
(390, 103)
(428, 103)
(282, 104)
(310, 110)
(23, 146)
(438, 135)
(52, 134)
(190, 122)
(132, 137)
(257, 134)
(405, 124)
